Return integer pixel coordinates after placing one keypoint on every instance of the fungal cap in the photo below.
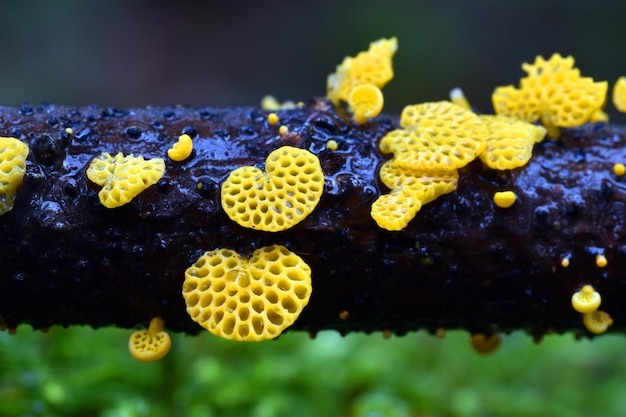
(510, 141)
(272, 118)
(283, 130)
(371, 67)
(458, 97)
(332, 145)
(367, 101)
(181, 149)
(601, 261)
(438, 136)
(504, 199)
(247, 299)
(152, 344)
(485, 344)
(554, 92)
(597, 322)
(279, 198)
(13, 154)
(123, 177)
(619, 169)
(270, 103)
(619, 94)
(587, 300)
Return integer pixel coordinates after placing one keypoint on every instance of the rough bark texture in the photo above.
(461, 263)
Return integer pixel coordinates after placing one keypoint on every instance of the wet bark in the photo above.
(461, 263)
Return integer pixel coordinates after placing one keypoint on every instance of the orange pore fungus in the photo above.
(373, 67)
(151, 344)
(247, 299)
(13, 154)
(278, 198)
(553, 92)
(123, 177)
(510, 141)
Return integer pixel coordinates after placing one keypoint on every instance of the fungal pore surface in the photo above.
(151, 344)
(247, 299)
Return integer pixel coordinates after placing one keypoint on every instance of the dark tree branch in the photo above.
(461, 263)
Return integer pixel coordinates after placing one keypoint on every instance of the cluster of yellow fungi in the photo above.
(247, 299)
(13, 153)
(587, 301)
(152, 344)
(358, 80)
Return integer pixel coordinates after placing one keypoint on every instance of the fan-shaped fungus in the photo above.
(247, 300)
(13, 154)
(279, 198)
(554, 92)
(587, 300)
(597, 322)
(123, 177)
(152, 344)
(366, 100)
(181, 149)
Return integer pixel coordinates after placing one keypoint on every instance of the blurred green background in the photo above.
(120, 53)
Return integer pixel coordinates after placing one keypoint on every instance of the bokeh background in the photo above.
(126, 54)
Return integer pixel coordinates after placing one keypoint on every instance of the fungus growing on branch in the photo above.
(123, 177)
(553, 92)
(152, 344)
(619, 94)
(366, 100)
(181, 149)
(485, 344)
(247, 299)
(504, 199)
(278, 198)
(597, 322)
(587, 300)
(13, 153)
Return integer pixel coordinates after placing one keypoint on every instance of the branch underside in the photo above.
(461, 263)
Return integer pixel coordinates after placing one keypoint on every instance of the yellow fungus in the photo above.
(619, 94)
(587, 300)
(283, 130)
(332, 145)
(69, 130)
(440, 333)
(344, 315)
(371, 67)
(270, 103)
(436, 136)
(504, 199)
(485, 344)
(247, 299)
(458, 97)
(510, 141)
(619, 169)
(152, 344)
(565, 261)
(367, 101)
(181, 149)
(123, 177)
(554, 92)
(601, 261)
(597, 322)
(278, 198)
(272, 118)
(13, 154)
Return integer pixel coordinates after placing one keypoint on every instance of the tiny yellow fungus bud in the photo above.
(367, 101)
(300, 104)
(181, 149)
(483, 344)
(458, 97)
(619, 94)
(504, 199)
(270, 103)
(69, 130)
(123, 177)
(272, 118)
(587, 300)
(332, 145)
(13, 154)
(199, 186)
(619, 169)
(565, 261)
(283, 130)
(152, 344)
(597, 322)
(601, 261)
(279, 198)
(344, 315)
(247, 299)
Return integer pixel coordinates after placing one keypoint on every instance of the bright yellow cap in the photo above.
(272, 118)
(247, 299)
(587, 300)
(123, 177)
(619, 169)
(619, 94)
(483, 344)
(181, 149)
(13, 154)
(367, 101)
(279, 198)
(597, 322)
(554, 92)
(152, 344)
(504, 199)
